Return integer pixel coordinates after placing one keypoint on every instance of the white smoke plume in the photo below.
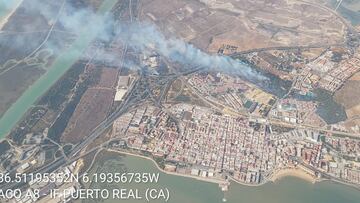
(143, 36)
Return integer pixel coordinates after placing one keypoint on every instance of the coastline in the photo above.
(6, 17)
(293, 172)
(278, 175)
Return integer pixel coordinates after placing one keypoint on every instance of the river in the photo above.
(14, 114)
(182, 189)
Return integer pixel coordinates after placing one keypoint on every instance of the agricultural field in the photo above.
(349, 97)
(245, 24)
(88, 113)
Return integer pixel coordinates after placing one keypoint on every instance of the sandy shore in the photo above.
(295, 172)
(5, 18)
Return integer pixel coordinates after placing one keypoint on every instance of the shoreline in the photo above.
(277, 176)
(4, 20)
(283, 173)
(293, 172)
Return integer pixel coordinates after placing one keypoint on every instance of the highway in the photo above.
(98, 131)
(350, 28)
(283, 48)
(171, 78)
(131, 102)
(166, 81)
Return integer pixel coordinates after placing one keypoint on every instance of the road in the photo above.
(220, 107)
(338, 5)
(124, 107)
(283, 48)
(74, 155)
(42, 44)
(171, 78)
(96, 132)
(347, 24)
(323, 174)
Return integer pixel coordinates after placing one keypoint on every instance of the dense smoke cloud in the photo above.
(143, 37)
